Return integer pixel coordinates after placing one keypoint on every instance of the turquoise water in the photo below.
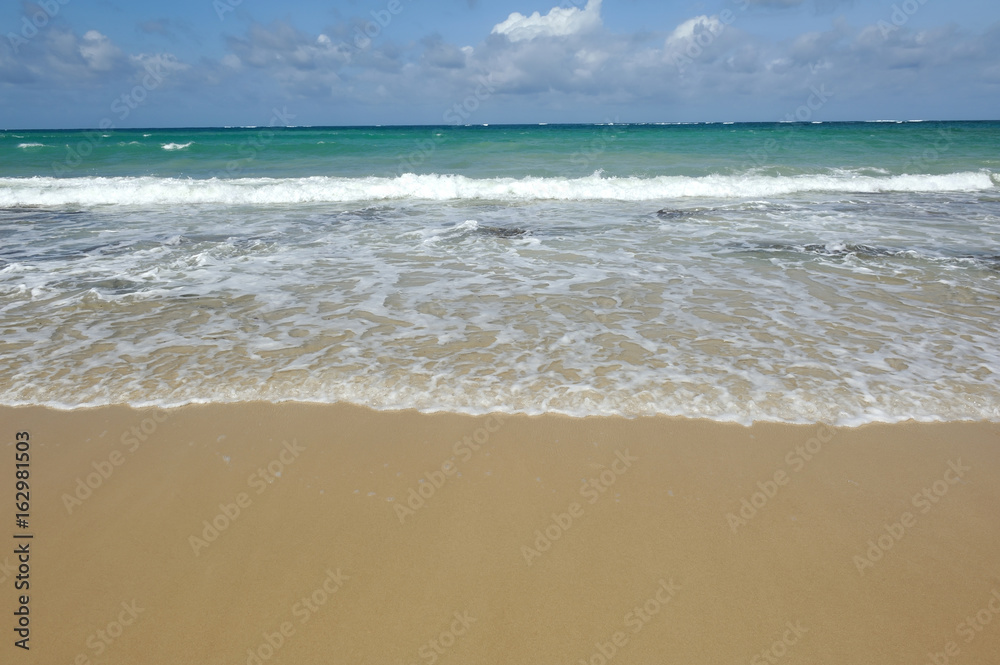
(845, 272)
(570, 151)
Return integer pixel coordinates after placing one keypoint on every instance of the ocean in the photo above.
(826, 272)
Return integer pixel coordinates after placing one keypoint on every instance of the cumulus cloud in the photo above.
(565, 59)
(165, 64)
(692, 27)
(300, 63)
(100, 54)
(438, 53)
(815, 46)
(559, 22)
(14, 72)
(61, 58)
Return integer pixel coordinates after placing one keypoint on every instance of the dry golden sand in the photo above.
(396, 581)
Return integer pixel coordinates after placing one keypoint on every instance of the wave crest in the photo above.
(320, 189)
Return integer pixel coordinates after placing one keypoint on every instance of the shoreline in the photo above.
(485, 413)
(291, 532)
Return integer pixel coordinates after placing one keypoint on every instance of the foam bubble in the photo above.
(268, 191)
(845, 309)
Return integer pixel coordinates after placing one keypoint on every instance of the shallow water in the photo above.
(850, 290)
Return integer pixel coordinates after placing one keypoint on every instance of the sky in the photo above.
(211, 63)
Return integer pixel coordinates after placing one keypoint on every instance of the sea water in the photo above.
(836, 272)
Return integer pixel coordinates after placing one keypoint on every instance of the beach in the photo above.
(528, 394)
(291, 533)
(500, 333)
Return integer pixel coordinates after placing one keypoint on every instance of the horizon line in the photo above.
(508, 124)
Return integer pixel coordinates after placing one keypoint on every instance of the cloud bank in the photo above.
(564, 64)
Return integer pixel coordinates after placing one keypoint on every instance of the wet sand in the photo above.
(292, 533)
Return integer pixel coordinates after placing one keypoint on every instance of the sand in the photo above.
(398, 537)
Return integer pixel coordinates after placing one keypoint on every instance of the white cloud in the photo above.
(98, 51)
(564, 61)
(558, 22)
(282, 45)
(160, 63)
(693, 27)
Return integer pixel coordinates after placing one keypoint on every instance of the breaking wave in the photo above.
(319, 189)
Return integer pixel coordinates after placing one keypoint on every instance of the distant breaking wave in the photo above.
(318, 189)
(177, 146)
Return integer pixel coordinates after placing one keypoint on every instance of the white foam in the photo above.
(177, 146)
(845, 309)
(265, 191)
(31, 145)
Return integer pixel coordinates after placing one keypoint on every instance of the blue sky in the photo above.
(81, 63)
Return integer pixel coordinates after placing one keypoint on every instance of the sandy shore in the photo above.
(333, 534)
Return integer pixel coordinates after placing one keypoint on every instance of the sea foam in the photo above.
(321, 189)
